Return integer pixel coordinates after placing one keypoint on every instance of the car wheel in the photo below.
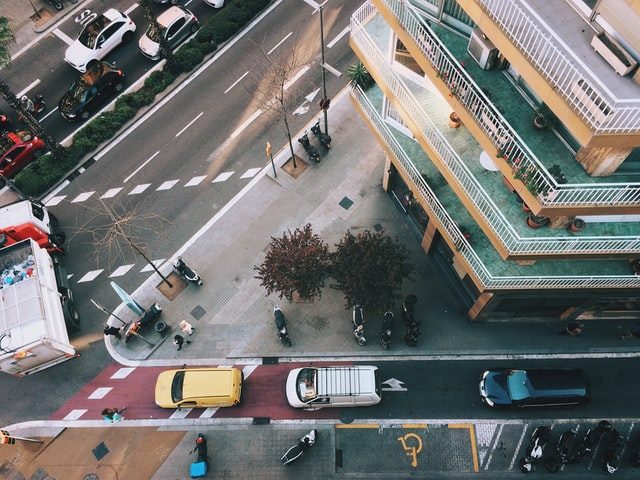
(194, 28)
(127, 37)
(84, 115)
(118, 87)
(92, 64)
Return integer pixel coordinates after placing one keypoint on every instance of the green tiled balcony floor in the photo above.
(479, 241)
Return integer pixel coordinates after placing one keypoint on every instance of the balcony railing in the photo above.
(495, 126)
(456, 166)
(428, 197)
(604, 112)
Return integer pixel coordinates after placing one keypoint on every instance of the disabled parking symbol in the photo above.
(412, 448)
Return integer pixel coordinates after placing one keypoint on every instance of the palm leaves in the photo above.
(6, 38)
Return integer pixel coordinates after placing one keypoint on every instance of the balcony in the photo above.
(456, 154)
(499, 111)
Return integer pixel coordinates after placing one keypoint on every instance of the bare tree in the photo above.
(114, 230)
(272, 84)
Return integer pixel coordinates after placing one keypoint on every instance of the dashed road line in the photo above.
(139, 189)
(236, 82)
(279, 43)
(112, 192)
(82, 197)
(195, 181)
(90, 276)
(182, 413)
(169, 184)
(245, 124)
(189, 124)
(131, 8)
(224, 176)
(486, 465)
(32, 85)
(338, 37)
(141, 167)
(55, 200)
(252, 172)
(99, 393)
(120, 271)
(208, 412)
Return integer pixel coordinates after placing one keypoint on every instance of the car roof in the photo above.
(171, 15)
(345, 380)
(557, 382)
(206, 383)
(113, 14)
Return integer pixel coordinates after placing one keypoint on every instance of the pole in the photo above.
(324, 81)
(100, 307)
(270, 155)
(34, 9)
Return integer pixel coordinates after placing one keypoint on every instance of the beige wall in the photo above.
(624, 18)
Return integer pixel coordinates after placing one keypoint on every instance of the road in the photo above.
(198, 167)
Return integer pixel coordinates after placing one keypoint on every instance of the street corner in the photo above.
(411, 449)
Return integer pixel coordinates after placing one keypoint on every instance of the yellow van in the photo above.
(199, 387)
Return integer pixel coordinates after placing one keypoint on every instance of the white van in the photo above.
(348, 386)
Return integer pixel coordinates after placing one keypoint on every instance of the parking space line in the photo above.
(493, 446)
(517, 450)
(63, 36)
(338, 37)
(279, 43)
(415, 425)
(28, 87)
(131, 8)
(50, 113)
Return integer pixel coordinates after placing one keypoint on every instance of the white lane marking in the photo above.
(517, 450)
(63, 36)
(208, 412)
(195, 181)
(338, 37)
(50, 113)
(169, 184)
(246, 123)
(112, 192)
(248, 370)
(252, 172)
(99, 393)
(89, 276)
(189, 124)
(139, 189)
(486, 466)
(223, 177)
(279, 43)
(181, 413)
(131, 8)
(313, 4)
(122, 373)
(149, 268)
(52, 202)
(187, 2)
(236, 82)
(330, 69)
(28, 87)
(301, 72)
(75, 414)
(82, 197)
(121, 270)
(141, 166)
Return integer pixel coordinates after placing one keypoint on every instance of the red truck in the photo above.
(17, 150)
(26, 219)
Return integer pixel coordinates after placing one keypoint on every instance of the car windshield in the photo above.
(81, 88)
(89, 35)
(176, 387)
(517, 385)
(153, 32)
(306, 383)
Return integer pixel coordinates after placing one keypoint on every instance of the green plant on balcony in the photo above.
(523, 173)
(543, 118)
(360, 76)
(557, 174)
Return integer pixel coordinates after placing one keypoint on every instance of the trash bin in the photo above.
(161, 327)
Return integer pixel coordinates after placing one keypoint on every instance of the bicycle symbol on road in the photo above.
(411, 451)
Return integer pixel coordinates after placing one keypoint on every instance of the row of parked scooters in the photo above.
(323, 138)
(411, 324)
(569, 449)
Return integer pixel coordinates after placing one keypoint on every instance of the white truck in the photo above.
(24, 219)
(36, 310)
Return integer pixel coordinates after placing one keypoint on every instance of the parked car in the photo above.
(215, 3)
(177, 23)
(17, 150)
(90, 91)
(541, 387)
(99, 37)
(321, 387)
(199, 387)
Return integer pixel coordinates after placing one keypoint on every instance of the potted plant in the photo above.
(534, 221)
(360, 76)
(542, 120)
(454, 120)
(577, 225)
(557, 174)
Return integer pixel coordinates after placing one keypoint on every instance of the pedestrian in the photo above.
(113, 415)
(186, 327)
(110, 330)
(179, 341)
(574, 329)
(634, 332)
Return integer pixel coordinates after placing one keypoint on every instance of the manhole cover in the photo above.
(345, 203)
(198, 312)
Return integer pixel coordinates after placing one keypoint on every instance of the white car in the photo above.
(98, 38)
(177, 23)
(215, 3)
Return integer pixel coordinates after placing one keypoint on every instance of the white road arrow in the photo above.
(302, 109)
(312, 95)
(395, 384)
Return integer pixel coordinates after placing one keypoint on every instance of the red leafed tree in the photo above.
(296, 262)
(369, 269)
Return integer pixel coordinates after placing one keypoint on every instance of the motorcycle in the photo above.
(295, 452)
(57, 4)
(565, 446)
(150, 315)
(387, 325)
(201, 465)
(592, 438)
(358, 325)
(539, 439)
(281, 323)
(411, 324)
(186, 272)
(310, 149)
(33, 107)
(612, 452)
(5, 124)
(323, 138)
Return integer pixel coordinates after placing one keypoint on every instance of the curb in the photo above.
(57, 18)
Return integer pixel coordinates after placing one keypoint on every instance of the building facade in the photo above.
(512, 135)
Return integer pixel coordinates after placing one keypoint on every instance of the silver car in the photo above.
(177, 23)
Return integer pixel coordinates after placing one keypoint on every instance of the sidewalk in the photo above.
(233, 318)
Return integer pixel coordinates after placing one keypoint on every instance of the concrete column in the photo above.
(480, 304)
(387, 174)
(429, 236)
(602, 161)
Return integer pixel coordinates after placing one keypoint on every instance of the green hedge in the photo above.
(46, 171)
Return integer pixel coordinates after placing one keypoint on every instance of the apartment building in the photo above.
(512, 135)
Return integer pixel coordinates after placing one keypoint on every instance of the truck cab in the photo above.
(27, 219)
(17, 150)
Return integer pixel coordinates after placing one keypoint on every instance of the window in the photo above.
(90, 34)
(306, 382)
(108, 33)
(173, 29)
(517, 385)
(176, 387)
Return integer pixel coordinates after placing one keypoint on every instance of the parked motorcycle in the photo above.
(612, 452)
(281, 323)
(566, 446)
(412, 325)
(323, 138)
(186, 272)
(358, 325)
(149, 317)
(592, 438)
(539, 439)
(33, 107)
(310, 149)
(57, 4)
(201, 465)
(387, 325)
(5, 124)
(295, 452)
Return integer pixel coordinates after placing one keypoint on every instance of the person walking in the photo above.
(113, 415)
(186, 327)
(179, 340)
(634, 332)
(110, 330)
(574, 329)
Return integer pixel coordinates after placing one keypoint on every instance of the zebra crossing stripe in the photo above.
(75, 414)
(90, 276)
(167, 185)
(195, 181)
(223, 177)
(82, 197)
(121, 270)
(252, 172)
(139, 189)
(99, 393)
(149, 268)
(112, 192)
(181, 413)
(122, 373)
(55, 200)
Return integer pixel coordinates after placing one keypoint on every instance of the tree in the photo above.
(369, 269)
(270, 82)
(165, 49)
(296, 262)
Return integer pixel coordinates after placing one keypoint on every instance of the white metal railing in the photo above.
(513, 149)
(422, 190)
(562, 69)
(482, 202)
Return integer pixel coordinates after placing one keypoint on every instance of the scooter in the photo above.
(201, 465)
(57, 4)
(295, 452)
(323, 138)
(565, 446)
(310, 149)
(358, 325)
(150, 315)
(5, 124)
(592, 438)
(34, 108)
(387, 325)
(539, 439)
(411, 324)
(281, 323)
(612, 452)
(186, 272)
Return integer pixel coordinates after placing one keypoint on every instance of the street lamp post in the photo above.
(270, 155)
(324, 103)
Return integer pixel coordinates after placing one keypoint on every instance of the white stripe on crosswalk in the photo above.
(82, 197)
(252, 172)
(208, 412)
(148, 268)
(89, 276)
(195, 181)
(112, 192)
(167, 185)
(99, 393)
(63, 36)
(122, 373)
(55, 200)
(120, 271)
(181, 413)
(139, 189)
(224, 176)
(75, 414)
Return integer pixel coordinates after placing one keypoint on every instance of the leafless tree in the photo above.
(271, 82)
